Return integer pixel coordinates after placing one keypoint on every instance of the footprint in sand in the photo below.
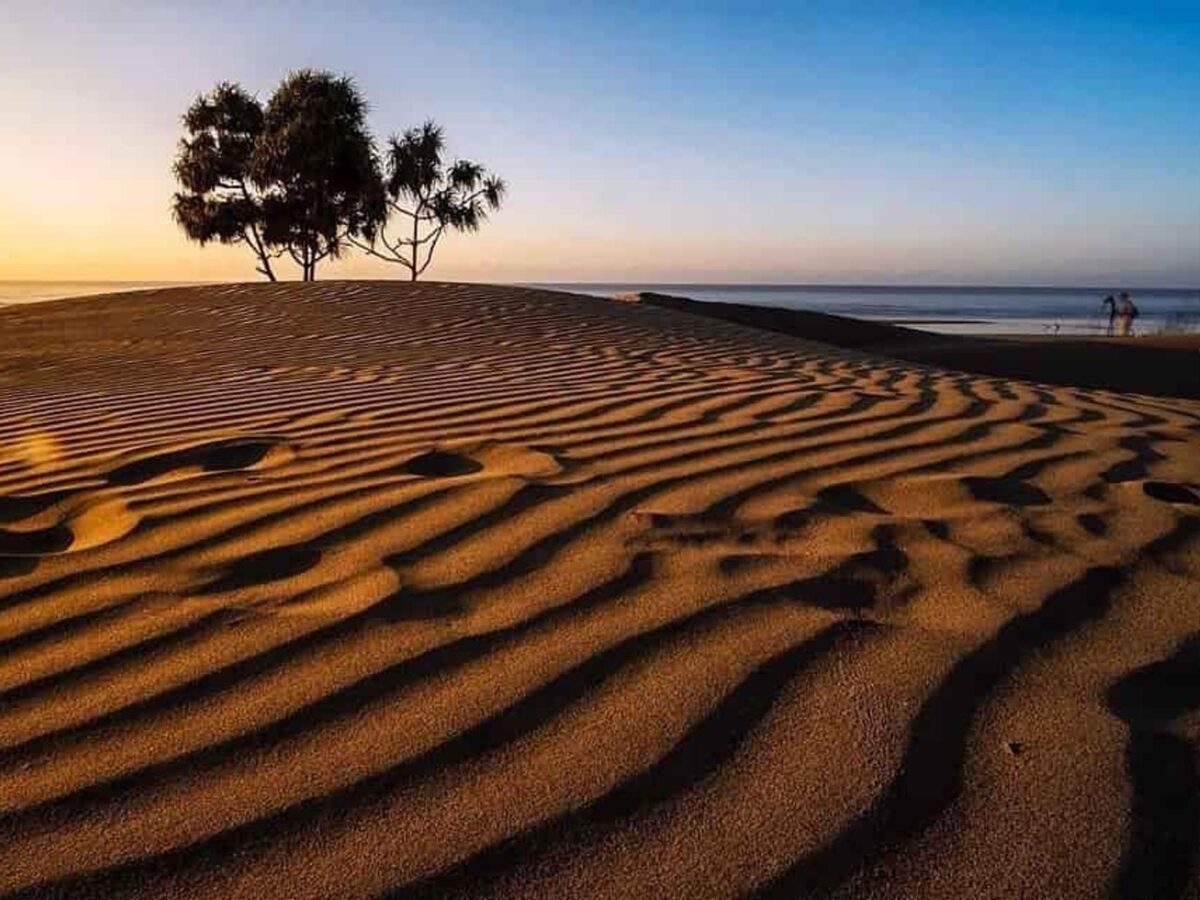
(1009, 491)
(215, 456)
(1171, 493)
(493, 458)
(276, 564)
(54, 524)
(14, 509)
(442, 464)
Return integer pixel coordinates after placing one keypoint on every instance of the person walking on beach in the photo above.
(1111, 302)
(1126, 311)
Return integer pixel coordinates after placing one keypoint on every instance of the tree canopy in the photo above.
(219, 201)
(429, 197)
(316, 160)
(302, 177)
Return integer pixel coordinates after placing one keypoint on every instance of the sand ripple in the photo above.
(367, 589)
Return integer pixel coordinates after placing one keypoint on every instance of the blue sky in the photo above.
(1030, 143)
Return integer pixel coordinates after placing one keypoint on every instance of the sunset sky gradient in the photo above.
(865, 143)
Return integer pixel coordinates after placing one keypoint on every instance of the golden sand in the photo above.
(362, 589)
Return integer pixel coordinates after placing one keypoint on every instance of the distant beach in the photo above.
(947, 310)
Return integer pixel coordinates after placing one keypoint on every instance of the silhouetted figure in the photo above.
(1127, 311)
(1111, 302)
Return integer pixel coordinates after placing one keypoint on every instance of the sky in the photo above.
(936, 143)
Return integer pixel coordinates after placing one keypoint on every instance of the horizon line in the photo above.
(764, 285)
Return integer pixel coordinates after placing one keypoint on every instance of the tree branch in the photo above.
(259, 244)
(395, 257)
(429, 256)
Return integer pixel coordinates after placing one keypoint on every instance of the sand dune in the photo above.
(369, 589)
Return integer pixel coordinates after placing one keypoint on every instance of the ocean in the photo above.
(14, 292)
(955, 310)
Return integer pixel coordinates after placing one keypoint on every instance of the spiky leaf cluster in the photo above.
(301, 176)
(317, 163)
(431, 197)
(218, 201)
(458, 197)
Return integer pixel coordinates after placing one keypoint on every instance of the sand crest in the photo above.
(374, 589)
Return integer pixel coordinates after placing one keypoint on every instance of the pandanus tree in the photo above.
(316, 162)
(299, 177)
(219, 201)
(423, 197)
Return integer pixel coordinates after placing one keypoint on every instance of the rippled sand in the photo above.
(365, 589)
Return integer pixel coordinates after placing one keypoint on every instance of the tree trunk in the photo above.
(416, 246)
(261, 250)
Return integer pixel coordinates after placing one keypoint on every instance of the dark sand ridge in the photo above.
(1166, 365)
(363, 589)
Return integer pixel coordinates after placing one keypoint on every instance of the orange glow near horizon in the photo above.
(796, 167)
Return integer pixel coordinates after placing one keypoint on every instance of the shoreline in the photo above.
(990, 311)
(1155, 365)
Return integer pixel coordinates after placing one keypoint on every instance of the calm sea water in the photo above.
(12, 292)
(961, 310)
(967, 310)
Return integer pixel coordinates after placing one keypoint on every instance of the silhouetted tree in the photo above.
(429, 198)
(218, 201)
(316, 162)
(299, 177)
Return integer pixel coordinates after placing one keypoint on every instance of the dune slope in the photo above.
(370, 589)
(1162, 365)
